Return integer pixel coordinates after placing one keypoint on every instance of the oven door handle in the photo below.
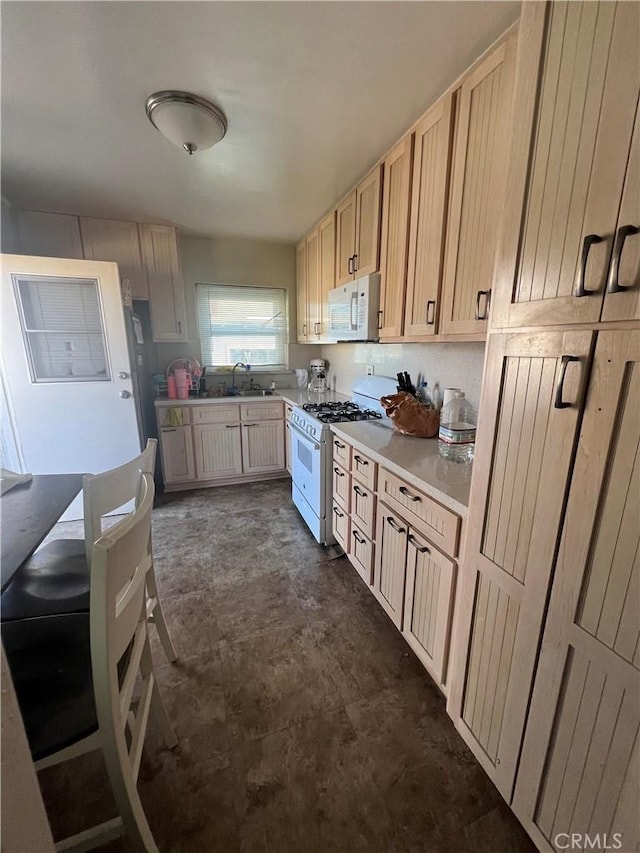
(305, 436)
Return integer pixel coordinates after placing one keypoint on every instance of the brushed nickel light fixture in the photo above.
(187, 120)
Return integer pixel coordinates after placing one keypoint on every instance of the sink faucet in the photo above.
(233, 373)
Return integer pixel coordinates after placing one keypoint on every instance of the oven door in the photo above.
(307, 468)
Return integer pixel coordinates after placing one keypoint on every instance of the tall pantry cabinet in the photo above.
(545, 671)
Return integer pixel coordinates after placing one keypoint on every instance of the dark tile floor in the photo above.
(304, 721)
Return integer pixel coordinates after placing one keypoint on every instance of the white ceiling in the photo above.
(314, 93)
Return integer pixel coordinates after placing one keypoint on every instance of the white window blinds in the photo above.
(247, 324)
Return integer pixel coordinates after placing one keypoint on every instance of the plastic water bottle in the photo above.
(457, 433)
(423, 394)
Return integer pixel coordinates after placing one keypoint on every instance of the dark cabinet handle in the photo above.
(431, 312)
(380, 318)
(337, 444)
(395, 526)
(587, 243)
(338, 472)
(487, 295)
(355, 263)
(304, 330)
(235, 426)
(359, 491)
(359, 460)
(405, 491)
(613, 285)
(357, 538)
(559, 402)
(338, 513)
(422, 549)
(350, 265)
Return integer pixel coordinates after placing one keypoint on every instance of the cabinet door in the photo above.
(395, 237)
(263, 447)
(177, 454)
(477, 189)
(622, 298)
(166, 290)
(341, 487)
(47, 235)
(580, 764)
(363, 508)
(431, 162)
(575, 101)
(313, 285)
(217, 451)
(390, 563)
(428, 604)
(302, 307)
(112, 240)
(345, 238)
(528, 419)
(327, 235)
(368, 208)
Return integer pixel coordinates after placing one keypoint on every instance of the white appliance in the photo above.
(311, 448)
(354, 310)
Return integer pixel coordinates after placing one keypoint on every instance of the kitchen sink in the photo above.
(250, 392)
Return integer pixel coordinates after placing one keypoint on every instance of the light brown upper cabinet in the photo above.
(394, 244)
(572, 206)
(532, 399)
(431, 161)
(358, 229)
(313, 285)
(48, 235)
(159, 247)
(327, 272)
(113, 240)
(477, 191)
(302, 308)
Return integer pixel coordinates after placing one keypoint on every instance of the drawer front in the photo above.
(361, 553)
(340, 523)
(171, 416)
(341, 452)
(364, 469)
(436, 522)
(261, 411)
(341, 487)
(223, 414)
(363, 508)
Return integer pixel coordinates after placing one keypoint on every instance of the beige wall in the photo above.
(230, 260)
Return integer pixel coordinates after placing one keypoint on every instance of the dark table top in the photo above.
(28, 512)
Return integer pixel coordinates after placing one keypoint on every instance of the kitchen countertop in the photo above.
(416, 460)
(295, 396)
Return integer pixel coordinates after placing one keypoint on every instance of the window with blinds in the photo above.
(247, 324)
(63, 328)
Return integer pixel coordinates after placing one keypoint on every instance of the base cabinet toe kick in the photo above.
(404, 546)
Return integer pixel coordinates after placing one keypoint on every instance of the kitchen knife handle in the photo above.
(613, 285)
(587, 243)
(559, 403)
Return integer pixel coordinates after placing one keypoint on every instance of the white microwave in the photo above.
(354, 310)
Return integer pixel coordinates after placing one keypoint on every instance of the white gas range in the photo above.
(311, 454)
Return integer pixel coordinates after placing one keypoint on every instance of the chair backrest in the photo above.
(114, 489)
(118, 620)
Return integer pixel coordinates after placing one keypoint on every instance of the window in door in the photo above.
(63, 328)
(247, 324)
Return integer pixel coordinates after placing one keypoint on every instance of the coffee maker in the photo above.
(318, 373)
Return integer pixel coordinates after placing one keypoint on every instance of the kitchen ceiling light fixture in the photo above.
(187, 120)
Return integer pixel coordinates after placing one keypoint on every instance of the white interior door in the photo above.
(66, 366)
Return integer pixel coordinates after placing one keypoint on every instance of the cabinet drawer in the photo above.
(440, 525)
(340, 523)
(261, 411)
(364, 469)
(360, 552)
(215, 414)
(171, 416)
(341, 486)
(341, 452)
(363, 505)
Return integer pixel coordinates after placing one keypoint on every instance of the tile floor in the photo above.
(304, 721)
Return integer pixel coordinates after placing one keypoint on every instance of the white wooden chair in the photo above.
(56, 580)
(81, 690)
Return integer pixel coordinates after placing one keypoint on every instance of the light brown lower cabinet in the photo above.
(390, 564)
(580, 765)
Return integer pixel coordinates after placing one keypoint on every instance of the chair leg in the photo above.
(158, 617)
(157, 705)
(129, 806)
